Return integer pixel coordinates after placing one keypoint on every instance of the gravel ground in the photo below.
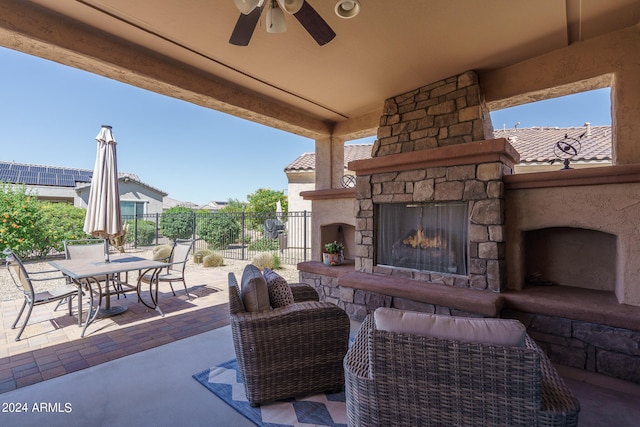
(8, 290)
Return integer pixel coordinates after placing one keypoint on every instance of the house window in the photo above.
(131, 209)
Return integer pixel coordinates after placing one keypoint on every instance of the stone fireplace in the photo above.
(454, 181)
(435, 150)
(430, 203)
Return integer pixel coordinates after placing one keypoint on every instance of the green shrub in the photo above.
(161, 252)
(177, 223)
(264, 244)
(219, 230)
(19, 214)
(213, 260)
(146, 232)
(200, 254)
(57, 222)
(277, 262)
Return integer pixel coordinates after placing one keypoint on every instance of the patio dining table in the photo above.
(86, 273)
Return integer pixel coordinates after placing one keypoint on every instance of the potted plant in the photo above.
(333, 253)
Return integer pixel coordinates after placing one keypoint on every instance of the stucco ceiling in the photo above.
(391, 47)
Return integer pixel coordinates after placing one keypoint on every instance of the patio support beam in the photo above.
(329, 163)
(33, 30)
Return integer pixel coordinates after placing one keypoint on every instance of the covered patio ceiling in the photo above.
(286, 80)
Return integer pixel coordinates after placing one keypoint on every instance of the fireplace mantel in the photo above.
(487, 151)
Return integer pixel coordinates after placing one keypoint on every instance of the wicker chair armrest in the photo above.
(557, 398)
(356, 362)
(303, 292)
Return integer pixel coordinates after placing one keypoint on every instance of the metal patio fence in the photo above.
(241, 235)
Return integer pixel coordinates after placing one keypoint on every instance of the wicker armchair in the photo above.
(410, 380)
(289, 351)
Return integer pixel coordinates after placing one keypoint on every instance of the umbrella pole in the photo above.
(106, 250)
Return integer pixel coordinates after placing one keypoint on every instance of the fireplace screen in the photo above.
(427, 237)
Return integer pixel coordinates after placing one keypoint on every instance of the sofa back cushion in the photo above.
(254, 293)
(501, 332)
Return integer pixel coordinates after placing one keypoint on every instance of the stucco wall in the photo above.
(610, 208)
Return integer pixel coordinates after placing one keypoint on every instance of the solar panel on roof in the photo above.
(37, 169)
(27, 177)
(66, 180)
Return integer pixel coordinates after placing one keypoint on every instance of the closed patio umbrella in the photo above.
(103, 208)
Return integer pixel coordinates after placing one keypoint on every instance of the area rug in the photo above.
(323, 409)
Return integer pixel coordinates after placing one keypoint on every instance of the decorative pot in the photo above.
(332, 259)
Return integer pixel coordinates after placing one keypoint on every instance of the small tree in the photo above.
(177, 223)
(263, 204)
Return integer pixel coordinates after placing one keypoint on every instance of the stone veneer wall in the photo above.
(584, 345)
(451, 111)
(358, 303)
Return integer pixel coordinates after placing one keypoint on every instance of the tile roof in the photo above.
(537, 144)
(534, 144)
(307, 161)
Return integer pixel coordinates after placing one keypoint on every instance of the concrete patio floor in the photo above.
(135, 368)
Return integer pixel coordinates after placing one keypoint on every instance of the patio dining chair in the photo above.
(25, 282)
(90, 249)
(177, 262)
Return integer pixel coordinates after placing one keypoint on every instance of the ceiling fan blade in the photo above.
(243, 30)
(314, 24)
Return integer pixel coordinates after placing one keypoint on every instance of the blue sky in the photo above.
(51, 113)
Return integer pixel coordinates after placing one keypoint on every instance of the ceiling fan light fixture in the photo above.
(347, 9)
(247, 6)
(291, 6)
(275, 19)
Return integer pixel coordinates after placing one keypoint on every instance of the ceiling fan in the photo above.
(301, 9)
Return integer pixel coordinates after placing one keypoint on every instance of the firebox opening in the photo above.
(572, 257)
(425, 237)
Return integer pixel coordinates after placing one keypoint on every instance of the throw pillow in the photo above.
(502, 332)
(280, 293)
(253, 291)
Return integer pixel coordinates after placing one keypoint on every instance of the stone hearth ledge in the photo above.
(573, 303)
(470, 300)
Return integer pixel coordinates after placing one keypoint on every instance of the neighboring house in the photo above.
(301, 174)
(168, 203)
(60, 184)
(213, 206)
(536, 146)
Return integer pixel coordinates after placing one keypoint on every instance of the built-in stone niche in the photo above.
(341, 233)
(570, 256)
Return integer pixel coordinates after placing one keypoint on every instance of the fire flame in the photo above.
(424, 242)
